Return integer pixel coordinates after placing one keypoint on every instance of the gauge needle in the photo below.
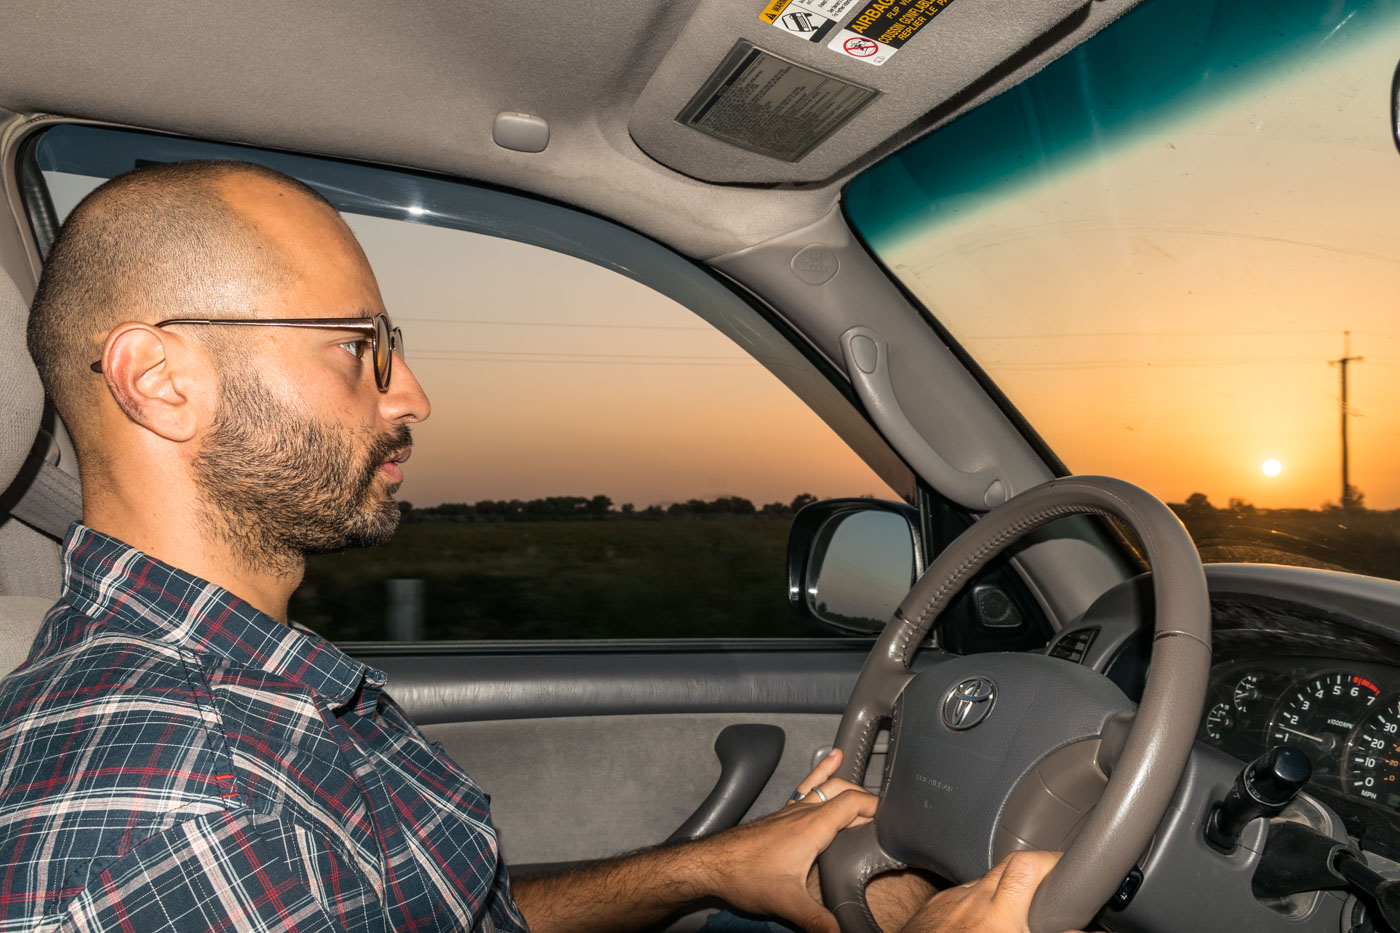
(1303, 735)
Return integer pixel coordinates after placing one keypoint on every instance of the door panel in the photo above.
(590, 754)
(573, 788)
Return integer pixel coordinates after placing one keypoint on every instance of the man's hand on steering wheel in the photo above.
(767, 867)
(763, 867)
(998, 902)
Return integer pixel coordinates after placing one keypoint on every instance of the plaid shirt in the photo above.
(172, 759)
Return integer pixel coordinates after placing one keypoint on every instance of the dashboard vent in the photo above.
(1074, 645)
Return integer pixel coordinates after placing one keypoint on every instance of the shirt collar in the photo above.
(115, 584)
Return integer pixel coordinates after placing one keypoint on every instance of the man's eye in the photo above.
(355, 348)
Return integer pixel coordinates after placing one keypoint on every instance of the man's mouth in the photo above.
(391, 467)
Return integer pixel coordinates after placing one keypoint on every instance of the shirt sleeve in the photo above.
(502, 914)
(223, 871)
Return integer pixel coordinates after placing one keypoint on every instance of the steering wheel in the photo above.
(990, 753)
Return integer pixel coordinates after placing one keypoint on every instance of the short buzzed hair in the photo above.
(155, 243)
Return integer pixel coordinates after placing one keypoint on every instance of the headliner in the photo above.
(418, 83)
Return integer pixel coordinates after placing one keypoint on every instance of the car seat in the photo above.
(30, 572)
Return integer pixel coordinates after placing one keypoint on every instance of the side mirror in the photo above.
(851, 562)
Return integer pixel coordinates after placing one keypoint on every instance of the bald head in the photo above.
(163, 241)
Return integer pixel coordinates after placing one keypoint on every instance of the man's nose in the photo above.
(405, 400)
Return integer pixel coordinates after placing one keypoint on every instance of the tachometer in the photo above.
(1317, 715)
(1372, 765)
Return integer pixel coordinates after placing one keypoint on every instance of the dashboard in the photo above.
(1302, 657)
(1343, 714)
(1346, 719)
(1294, 669)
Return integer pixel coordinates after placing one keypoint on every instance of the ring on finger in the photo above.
(820, 795)
(797, 796)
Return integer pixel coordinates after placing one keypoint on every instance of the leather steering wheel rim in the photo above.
(1118, 830)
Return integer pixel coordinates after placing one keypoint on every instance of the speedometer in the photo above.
(1317, 714)
(1372, 766)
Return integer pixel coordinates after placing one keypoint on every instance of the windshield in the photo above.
(1177, 252)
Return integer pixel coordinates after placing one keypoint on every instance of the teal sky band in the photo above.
(1158, 63)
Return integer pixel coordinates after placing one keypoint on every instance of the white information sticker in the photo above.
(883, 26)
(765, 103)
(859, 47)
(810, 20)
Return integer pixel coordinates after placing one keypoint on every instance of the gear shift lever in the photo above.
(1263, 788)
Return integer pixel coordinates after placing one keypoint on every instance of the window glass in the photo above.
(1177, 251)
(602, 461)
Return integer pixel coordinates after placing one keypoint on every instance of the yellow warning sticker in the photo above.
(771, 11)
(882, 28)
(809, 20)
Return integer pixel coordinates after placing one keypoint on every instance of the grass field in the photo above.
(615, 579)
(708, 578)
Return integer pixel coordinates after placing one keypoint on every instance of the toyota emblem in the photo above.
(969, 703)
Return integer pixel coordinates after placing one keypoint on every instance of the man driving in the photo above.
(174, 755)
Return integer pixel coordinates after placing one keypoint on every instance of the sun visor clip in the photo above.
(522, 132)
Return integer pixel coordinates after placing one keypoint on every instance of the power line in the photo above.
(584, 324)
(735, 357)
(1252, 334)
(564, 359)
(1147, 362)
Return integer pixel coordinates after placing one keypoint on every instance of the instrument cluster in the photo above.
(1345, 716)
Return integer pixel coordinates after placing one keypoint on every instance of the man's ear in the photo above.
(145, 370)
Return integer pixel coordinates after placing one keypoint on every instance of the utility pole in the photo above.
(1346, 358)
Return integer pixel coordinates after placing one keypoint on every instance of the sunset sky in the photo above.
(1180, 285)
(552, 376)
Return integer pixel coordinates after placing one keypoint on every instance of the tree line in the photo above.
(597, 509)
(1199, 504)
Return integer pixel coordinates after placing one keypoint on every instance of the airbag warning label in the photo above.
(767, 104)
(882, 28)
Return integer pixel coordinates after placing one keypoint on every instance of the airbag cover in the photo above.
(948, 786)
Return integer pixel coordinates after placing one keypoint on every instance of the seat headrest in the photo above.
(21, 394)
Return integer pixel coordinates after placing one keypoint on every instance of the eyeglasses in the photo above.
(384, 338)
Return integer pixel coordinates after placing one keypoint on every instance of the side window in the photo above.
(605, 458)
(600, 462)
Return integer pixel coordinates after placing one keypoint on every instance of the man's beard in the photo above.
(278, 485)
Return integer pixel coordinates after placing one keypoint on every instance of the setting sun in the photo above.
(1272, 468)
